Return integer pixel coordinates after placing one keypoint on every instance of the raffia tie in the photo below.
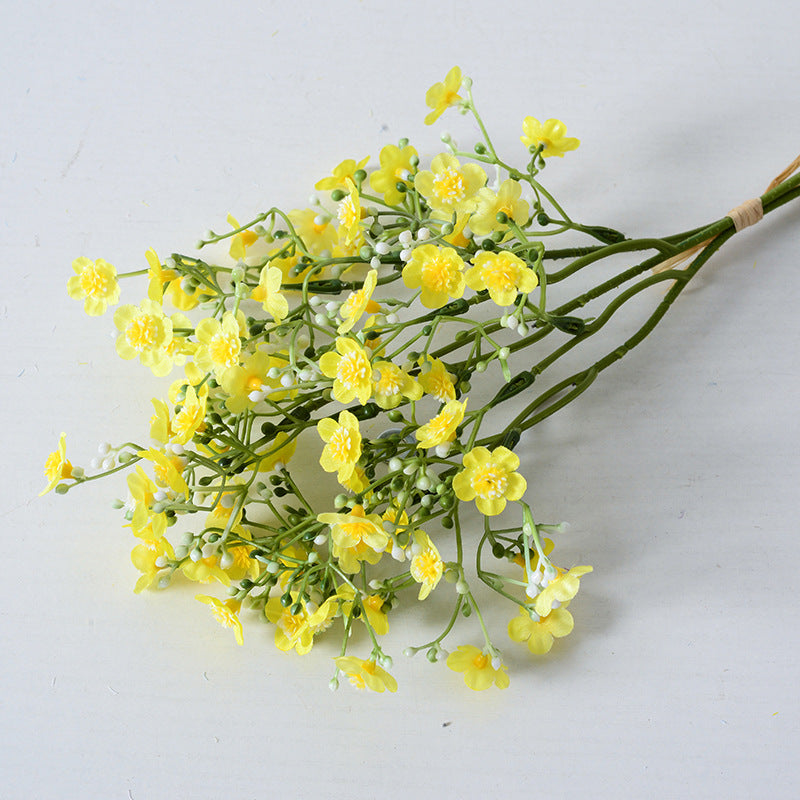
(744, 215)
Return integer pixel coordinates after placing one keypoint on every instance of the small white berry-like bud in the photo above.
(405, 238)
(423, 234)
(462, 587)
(287, 380)
(109, 462)
(226, 501)
(161, 561)
(321, 319)
(391, 318)
(381, 248)
(256, 397)
(395, 464)
(375, 262)
(273, 567)
(398, 554)
(405, 255)
(104, 448)
(496, 662)
(443, 449)
(320, 539)
(503, 353)
(196, 554)
(226, 559)
(159, 495)
(409, 652)
(95, 463)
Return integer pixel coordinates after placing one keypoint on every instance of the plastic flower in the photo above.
(144, 557)
(442, 428)
(94, 282)
(356, 537)
(503, 274)
(145, 521)
(437, 272)
(346, 169)
(57, 466)
(489, 205)
(396, 167)
(349, 213)
(219, 343)
(538, 634)
(191, 417)
(317, 233)
(443, 95)
(166, 283)
(268, 293)
(426, 565)
(366, 674)
(343, 445)
(240, 241)
(490, 479)
(392, 384)
(372, 605)
(205, 570)
(146, 333)
(448, 186)
(436, 380)
(250, 376)
(296, 631)
(351, 370)
(479, 674)
(167, 469)
(358, 302)
(551, 134)
(227, 614)
(559, 590)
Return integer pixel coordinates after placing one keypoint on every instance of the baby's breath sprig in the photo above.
(361, 324)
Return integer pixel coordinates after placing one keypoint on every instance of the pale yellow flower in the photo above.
(552, 134)
(392, 384)
(146, 333)
(538, 634)
(479, 674)
(219, 343)
(167, 469)
(426, 565)
(226, 613)
(343, 445)
(366, 674)
(341, 172)
(449, 186)
(559, 590)
(437, 273)
(489, 204)
(145, 522)
(503, 274)
(191, 418)
(57, 466)
(358, 302)
(268, 293)
(443, 95)
(318, 234)
(240, 241)
(144, 557)
(436, 380)
(350, 369)
(395, 164)
(356, 537)
(349, 213)
(94, 282)
(372, 605)
(442, 428)
(240, 381)
(490, 479)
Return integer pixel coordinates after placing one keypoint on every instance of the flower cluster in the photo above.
(358, 326)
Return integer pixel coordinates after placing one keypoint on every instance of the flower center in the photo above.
(254, 383)
(480, 661)
(448, 185)
(348, 213)
(223, 616)
(224, 349)
(356, 531)
(142, 332)
(389, 383)
(353, 369)
(341, 444)
(426, 566)
(500, 274)
(436, 274)
(490, 481)
(93, 282)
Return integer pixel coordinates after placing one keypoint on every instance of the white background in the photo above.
(135, 125)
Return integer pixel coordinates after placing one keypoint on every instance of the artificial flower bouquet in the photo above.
(358, 328)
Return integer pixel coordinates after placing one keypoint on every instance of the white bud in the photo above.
(462, 587)
(287, 380)
(405, 238)
(496, 663)
(331, 306)
(159, 495)
(95, 463)
(398, 554)
(226, 501)
(273, 567)
(321, 319)
(104, 448)
(395, 464)
(256, 397)
(443, 449)
(381, 248)
(375, 262)
(226, 560)
(109, 462)
(405, 255)
(161, 561)
(391, 318)
(503, 353)
(316, 300)
(320, 539)
(195, 555)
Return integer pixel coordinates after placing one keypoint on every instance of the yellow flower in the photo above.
(317, 236)
(443, 95)
(160, 429)
(559, 590)
(227, 614)
(268, 293)
(437, 272)
(57, 466)
(288, 265)
(167, 469)
(146, 333)
(358, 302)
(350, 369)
(191, 417)
(552, 134)
(477, 667)
(426, 565)
(346, 169)
(392, 384)
(144, 557)
(145, 521)
(490, 479)
(343, 445)
(539, 633)
(372, 605)
(94, 282)
(281, 448)
(205, 570)
(220, 343)
(356, 537)
(395, 164)
(296, 631)
(442, 428)
(503, 274)
(489, 205)
(436, 380)
(240, 241)
(349, 213)
(241, 381)
(366, 674)
(449, 187)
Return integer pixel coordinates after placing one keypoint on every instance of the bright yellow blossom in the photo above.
(144, 557)
(490, 479)
(296, 631)
(351, 370)
(160, 428)
(372, 605)
(145, 521)
(538, 634)
(366, 674)
(318, 235)
(240, 241)
(395, 163)
(343, 445)
(159, 278)
(167, 469)
(503, 274)
(94, 282)
(250, 376)
(437, 272)
(427, 565)
(358, 302)
(349, 213)
(346, 169)
(288, 265)
(191, 417)
(442, 428)
(226, 613)
(205, 570)
(436, 380)
(268, 293)
(219, 343)
(552, 134)
(57, 466)
(392, 384)
(559, 590)
(146, 333)
(489, 205)
(448, 186)
(477, 667)
(356, 537)
(443, 95)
